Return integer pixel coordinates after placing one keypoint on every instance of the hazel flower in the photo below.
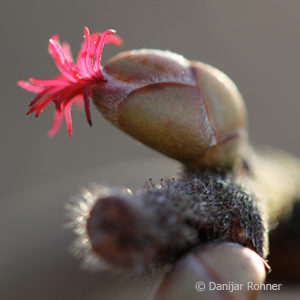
(75, 79)
(184, 109)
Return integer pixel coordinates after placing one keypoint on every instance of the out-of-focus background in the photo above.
(257, 43)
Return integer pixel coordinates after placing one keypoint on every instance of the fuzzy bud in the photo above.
(150, 229)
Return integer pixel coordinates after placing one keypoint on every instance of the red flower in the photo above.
(75, 79)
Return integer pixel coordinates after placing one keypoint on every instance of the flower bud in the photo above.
(187, 110)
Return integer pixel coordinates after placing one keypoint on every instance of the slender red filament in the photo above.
(73, 82)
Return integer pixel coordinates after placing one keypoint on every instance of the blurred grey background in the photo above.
(257, 43)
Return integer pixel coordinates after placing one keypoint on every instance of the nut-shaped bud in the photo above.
(187, 110)
(215, 272)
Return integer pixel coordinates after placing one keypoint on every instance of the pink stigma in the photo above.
(73, 82)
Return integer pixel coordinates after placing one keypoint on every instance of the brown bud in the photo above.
(116, 232)
(187, 110)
